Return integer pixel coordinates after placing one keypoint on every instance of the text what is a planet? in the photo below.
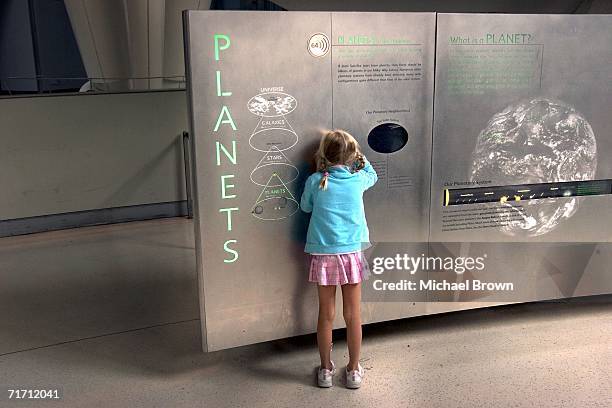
(387, 137)
(537, 140)
(272, 104)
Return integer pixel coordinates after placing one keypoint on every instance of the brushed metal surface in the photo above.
(570, 66)
(284, 73)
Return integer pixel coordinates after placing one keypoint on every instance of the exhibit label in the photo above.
(225, 156)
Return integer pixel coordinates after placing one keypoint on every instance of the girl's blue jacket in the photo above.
(338, 223)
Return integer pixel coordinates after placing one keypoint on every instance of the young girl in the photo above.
(337, 234)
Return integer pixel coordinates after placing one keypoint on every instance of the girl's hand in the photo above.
(359, 162)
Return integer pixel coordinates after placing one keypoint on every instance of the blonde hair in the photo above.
(336, 147)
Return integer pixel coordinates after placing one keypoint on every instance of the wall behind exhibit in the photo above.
(61, 154)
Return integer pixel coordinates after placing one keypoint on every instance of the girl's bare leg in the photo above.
(351, 304)
(327, 312)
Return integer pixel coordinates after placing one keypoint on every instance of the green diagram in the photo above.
(275, 202)
(273, 135)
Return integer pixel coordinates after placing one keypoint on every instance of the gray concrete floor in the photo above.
(67, 285)
(542, 355)
(552, 354)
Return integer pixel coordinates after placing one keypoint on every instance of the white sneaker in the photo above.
(354, 377)
(324, 377)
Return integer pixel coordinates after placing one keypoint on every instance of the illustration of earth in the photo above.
(538, 140)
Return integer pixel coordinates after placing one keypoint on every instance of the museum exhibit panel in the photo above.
(521, 148)
(508, 158)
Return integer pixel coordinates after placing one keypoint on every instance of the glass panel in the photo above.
(56, 46)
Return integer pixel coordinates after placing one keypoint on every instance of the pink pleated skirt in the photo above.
(338, 269)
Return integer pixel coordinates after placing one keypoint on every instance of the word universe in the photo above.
(225, 151)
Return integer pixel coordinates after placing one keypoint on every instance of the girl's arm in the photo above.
(306, 200)
(368, 174)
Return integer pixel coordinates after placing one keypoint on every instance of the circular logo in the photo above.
(318, 45)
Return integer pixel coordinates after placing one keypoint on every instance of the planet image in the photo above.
(387, 138)
(538, 140)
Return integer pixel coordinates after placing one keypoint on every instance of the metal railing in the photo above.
(12, 85)
(187, 159)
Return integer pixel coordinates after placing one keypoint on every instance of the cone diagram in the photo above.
(273, 135)
(275, 202)
(274, 161)
(273, 132)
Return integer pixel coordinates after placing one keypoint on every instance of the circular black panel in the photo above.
(387, 138)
